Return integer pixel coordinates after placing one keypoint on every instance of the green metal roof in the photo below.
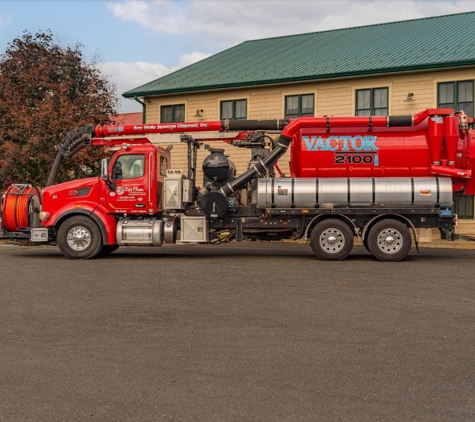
(437, 42)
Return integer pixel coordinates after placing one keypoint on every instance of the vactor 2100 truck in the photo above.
(378, 178)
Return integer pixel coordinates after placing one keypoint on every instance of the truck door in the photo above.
(130, 174)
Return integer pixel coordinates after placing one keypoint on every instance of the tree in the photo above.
(46, 90)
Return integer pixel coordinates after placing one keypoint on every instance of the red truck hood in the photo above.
(83, 193)
(72, 185)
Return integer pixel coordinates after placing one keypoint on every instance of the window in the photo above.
(172, 113)
(128, 167)
(372, 102)
(235, 109)
(463, 206)
(456, 95)
(299, 105)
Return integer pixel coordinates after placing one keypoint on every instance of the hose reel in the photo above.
(21, 207)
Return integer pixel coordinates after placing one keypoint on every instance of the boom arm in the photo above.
(83, 136)
(213, 126)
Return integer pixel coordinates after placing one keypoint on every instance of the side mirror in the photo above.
(104, 170)
(105, 174)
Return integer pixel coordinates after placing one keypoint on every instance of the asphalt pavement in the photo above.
(237, 332)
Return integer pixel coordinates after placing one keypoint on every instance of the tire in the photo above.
(365, 244)
(332, 239)
(79, 238)
(389, 240)
(108, 249)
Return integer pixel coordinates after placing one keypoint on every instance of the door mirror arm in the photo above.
(110, 185)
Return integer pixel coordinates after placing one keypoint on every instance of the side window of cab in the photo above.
(129, 167)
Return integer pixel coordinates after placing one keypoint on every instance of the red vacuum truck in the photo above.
(376, 178)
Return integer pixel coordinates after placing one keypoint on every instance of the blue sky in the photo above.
(138, 41)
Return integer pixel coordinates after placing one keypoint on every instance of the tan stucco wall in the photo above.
(335, 97)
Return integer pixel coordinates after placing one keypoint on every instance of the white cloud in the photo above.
(187, 59)
(163, 16)
(231, 22)
(5, 20)
(127, 76)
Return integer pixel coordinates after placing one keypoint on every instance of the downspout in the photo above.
(144, 109)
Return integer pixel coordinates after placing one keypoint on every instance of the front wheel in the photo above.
(108, 249)
(332, 239)
(389, 240)
(79, 238)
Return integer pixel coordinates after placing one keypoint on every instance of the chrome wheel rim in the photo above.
(332, 240)
(79, 238)
(390, 241)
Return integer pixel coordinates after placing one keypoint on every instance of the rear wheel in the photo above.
(79, 238)
(389, 240)
(365, 243)
(331, 239)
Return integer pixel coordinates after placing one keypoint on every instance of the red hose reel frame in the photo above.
(16, 207)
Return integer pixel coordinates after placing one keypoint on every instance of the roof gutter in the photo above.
(342, 75)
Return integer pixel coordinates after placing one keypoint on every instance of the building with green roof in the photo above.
(391, 68)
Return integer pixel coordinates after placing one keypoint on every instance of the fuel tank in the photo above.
(140, 232)
(330, 192)
(377, 152)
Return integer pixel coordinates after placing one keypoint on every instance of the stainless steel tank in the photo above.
(329, 192)
(140, 232)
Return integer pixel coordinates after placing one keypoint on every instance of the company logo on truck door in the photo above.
(347, 149)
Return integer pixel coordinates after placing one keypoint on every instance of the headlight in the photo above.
(44, 216)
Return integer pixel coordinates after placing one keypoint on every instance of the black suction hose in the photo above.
(53, 174)
(233, 125)
(259, 168)
(72, 142)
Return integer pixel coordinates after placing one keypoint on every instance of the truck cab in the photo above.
(130, 185)
(134, 180)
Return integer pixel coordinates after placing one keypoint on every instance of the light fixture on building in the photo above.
(410, 97)
(199, 112)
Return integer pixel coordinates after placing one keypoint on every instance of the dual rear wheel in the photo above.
(387, 240)
(332, 240)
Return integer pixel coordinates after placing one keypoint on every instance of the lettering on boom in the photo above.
(347, 149)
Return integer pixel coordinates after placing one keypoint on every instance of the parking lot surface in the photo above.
(236, 332)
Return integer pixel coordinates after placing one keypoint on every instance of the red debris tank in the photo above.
(435, 142)
(349, 152)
